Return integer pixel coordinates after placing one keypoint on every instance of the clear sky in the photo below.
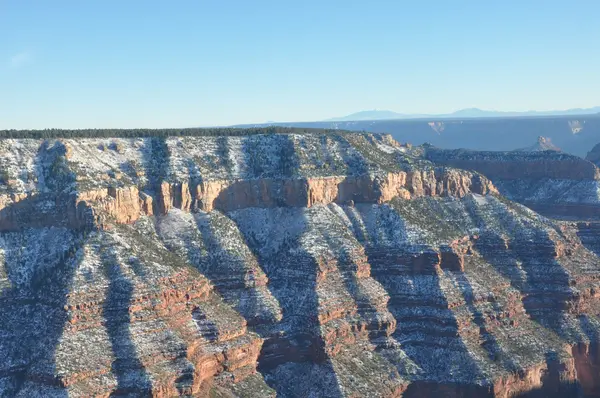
(133, 63)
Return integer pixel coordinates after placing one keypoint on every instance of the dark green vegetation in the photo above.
(186, 132)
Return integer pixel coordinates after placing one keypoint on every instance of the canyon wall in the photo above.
(517, 165)
(553, 183)
(127, 204)
(292, 266)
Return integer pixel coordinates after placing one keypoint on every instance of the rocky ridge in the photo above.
(290, 265)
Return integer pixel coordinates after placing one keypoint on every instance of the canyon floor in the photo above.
(296, 265)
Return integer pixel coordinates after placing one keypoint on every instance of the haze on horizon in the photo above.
(112, 64)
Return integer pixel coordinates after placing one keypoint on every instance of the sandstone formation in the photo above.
(333, 265)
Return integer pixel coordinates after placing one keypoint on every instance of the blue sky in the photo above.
(79, 64)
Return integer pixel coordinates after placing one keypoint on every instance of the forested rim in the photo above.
(187, 132)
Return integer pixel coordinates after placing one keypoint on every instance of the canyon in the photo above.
(321, 264)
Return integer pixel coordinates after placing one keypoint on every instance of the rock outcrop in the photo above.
(292, 265)
(307, 192)
(542, 144)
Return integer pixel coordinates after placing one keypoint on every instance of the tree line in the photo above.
(187, 132)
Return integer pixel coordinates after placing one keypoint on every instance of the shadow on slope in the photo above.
(354, 161)
(270, 156)
(32, 310)
(589, 234)
(293, 358)
(238, 278)
(528, 261)
(142, 259)
(587, 357)
(156, 161)
(527, 256)
(490, 343)
(552, 385)
(127, 367)
(40, 262)
(366, 293)
(427, 330)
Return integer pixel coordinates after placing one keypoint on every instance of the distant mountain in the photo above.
(370, 115)
(462, 113)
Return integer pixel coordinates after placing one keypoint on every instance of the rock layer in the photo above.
(317, 265)
(128, 204)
